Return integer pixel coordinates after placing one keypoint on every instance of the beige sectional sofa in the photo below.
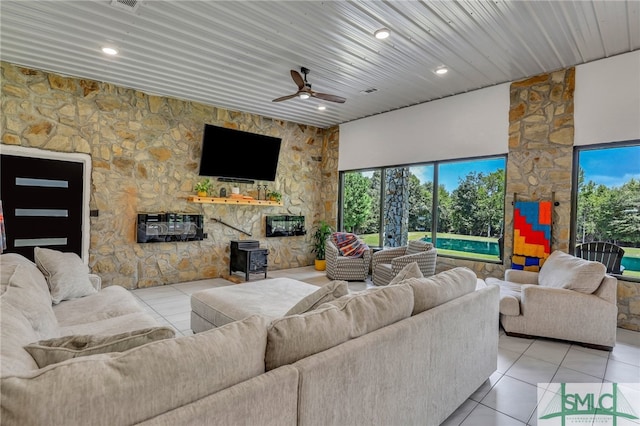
(404, 354)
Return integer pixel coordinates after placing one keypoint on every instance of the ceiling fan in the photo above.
(304, 89)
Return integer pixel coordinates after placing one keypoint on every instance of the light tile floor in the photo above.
(509, 397)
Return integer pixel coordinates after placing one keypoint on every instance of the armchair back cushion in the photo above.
(417, 246)
(561, 270)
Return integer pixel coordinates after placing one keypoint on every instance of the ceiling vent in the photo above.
(369, 91)
(130, 5)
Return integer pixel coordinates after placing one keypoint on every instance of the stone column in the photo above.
(541, 150)
(396, 214)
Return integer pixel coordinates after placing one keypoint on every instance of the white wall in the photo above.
(607, 109)
(607, 100)
(467, 125)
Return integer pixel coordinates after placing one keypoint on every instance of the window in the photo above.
(457, 204)
(361, 204)
(607, 182)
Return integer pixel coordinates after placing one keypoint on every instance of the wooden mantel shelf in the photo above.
(233, 201)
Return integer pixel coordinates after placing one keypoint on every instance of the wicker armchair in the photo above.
(387, 263)
(344, 267)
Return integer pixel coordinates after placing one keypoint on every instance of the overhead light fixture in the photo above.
(322, 107)
(441, 70)
(304, 95)
(382, 33)
(109, 50)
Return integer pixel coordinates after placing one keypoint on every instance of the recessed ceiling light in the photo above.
(109, 50)
(382, 33)
(441, 70)
(322, 107)
(304, 95)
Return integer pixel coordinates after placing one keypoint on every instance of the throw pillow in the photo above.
(66, 274)
(53, 351)
(294, 337)
(348, 244)
(326, 293)
(411, 270)
(24, 292)
(561, 270)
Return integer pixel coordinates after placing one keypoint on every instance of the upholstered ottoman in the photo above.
(271, 298)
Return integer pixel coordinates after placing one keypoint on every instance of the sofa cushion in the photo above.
(326, 293)
(15, 332)
(133, 386)
(561, 270)
(441, 288)
(53, 351)
(24, 291)
(110, 326)
(411, 270)
(110, 302)
(295, 337)
(66, 274)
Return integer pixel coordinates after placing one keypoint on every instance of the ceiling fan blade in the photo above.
(297, 78)
(284, 98)
(326, 97)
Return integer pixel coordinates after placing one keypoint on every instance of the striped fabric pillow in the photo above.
(349, 244)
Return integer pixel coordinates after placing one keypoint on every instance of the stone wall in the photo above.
(396, 213)
(145, 152)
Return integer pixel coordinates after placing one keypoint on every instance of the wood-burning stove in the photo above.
(247, 256)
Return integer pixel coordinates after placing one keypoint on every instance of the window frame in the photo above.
(574, 190)
(435, 201)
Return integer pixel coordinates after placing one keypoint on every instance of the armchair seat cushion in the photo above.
(510, 296)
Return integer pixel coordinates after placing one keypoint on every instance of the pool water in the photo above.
(491, 248)
(481, 247)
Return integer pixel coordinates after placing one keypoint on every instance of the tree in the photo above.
(420, 202)
(357, 201)
(477, 204)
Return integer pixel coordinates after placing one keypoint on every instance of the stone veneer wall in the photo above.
(539, 166)
(145, 152)
(396, 214)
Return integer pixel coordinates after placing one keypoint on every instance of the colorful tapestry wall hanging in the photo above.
(531, 234)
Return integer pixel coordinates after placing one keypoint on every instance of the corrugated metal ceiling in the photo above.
(237, 54)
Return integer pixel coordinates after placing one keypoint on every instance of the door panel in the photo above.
(42, 203)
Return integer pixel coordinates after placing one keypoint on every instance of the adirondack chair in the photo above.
(607, 253)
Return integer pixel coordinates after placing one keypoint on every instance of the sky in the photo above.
(450, 173)
(611, 167)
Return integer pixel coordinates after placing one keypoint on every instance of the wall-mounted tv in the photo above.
(236, 156)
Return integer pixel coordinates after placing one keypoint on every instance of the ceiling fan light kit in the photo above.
(304, 89)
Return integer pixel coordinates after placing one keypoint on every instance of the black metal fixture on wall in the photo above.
(166, 227)
(285, 226)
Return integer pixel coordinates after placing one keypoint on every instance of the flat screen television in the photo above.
(236, 156)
